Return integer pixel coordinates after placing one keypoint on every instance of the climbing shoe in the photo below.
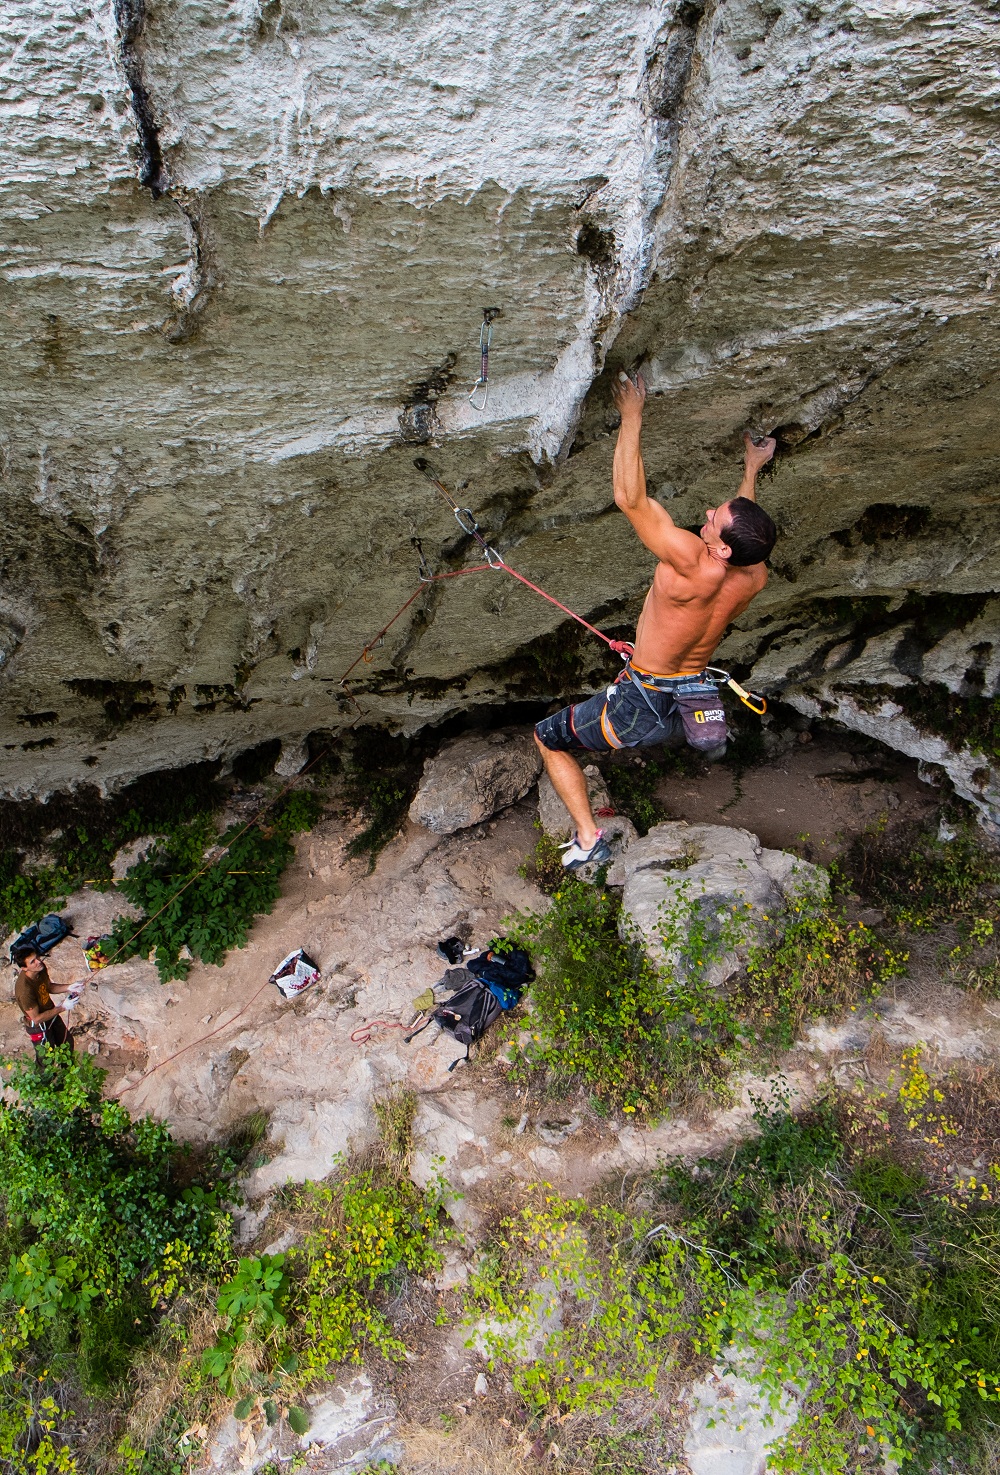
(575, 857)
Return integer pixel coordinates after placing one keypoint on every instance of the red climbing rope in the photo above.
(364, 1032)
(467, 522)
(622, 647)
(199, 1041)
(430, 579)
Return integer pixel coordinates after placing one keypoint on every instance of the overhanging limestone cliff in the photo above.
(217, 376)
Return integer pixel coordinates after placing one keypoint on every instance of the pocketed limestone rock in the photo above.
(473, 777)
(719, 876)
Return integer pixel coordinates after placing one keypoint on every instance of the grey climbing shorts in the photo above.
(640, 709)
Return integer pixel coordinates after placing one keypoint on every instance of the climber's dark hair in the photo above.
(751, 534)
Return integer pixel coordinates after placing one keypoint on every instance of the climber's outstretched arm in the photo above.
(653, 523)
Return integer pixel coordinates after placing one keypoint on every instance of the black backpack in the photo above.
(472, 1008)
(469, 1012)
(41, 937)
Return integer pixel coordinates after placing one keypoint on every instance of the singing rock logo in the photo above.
(716, 714)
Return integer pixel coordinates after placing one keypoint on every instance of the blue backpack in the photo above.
(41, 937)
(505, 974)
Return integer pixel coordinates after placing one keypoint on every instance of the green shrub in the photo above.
(92, 1196)
(291, 1318)
(100, 1226)
(639, 1034)
(370, 1229)
(90, 834)
(923, 882)
(825, 1219)
(836, 1275)
(211, 910)
(821, 964)
(576, 1279)
(603, 1013)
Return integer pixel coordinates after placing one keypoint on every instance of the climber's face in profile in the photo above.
(717, 519)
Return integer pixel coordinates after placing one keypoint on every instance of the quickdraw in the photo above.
(482, 384)
(757, 704)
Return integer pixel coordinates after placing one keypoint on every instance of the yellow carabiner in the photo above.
(748, 698)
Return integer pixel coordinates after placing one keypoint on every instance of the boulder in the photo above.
(474, 776)
(131, 854)
(729, 1432)
(552, 812)
(351, 1427)
(718, 874)
(293, 757)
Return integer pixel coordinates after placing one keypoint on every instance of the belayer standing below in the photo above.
(33, 990)
(702, 582)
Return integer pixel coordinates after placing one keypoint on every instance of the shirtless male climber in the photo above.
(702, 582)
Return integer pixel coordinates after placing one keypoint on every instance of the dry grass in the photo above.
(877, 1052)
(479, 1445)
(160, 1379)
(642, 1434)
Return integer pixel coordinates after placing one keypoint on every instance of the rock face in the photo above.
(351, 1428)
(919, 677)
(248, 250)
(473, 777)
(720, 875)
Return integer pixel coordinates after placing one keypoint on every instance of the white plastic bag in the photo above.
(294, 973)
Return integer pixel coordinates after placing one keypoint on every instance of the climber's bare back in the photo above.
(685, 616)
(696, 592)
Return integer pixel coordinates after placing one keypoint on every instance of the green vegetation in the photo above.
(821, 1249)
(632, 786)
(209, 909)
(949, 888)
(184, 904)
(83, 838)
(922, 881)
(97, 1220)
(640, 1034)
(128, 1324)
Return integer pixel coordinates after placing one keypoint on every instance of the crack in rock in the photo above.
(130, 17)
(194, 288)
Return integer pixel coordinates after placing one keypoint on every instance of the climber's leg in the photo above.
(570, 784)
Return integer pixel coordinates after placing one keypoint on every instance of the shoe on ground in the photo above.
(575, 856)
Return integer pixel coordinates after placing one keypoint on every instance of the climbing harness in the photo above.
(482, 384)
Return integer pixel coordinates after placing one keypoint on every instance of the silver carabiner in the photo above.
(493, 557)
(462, 512)
(482, 383)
